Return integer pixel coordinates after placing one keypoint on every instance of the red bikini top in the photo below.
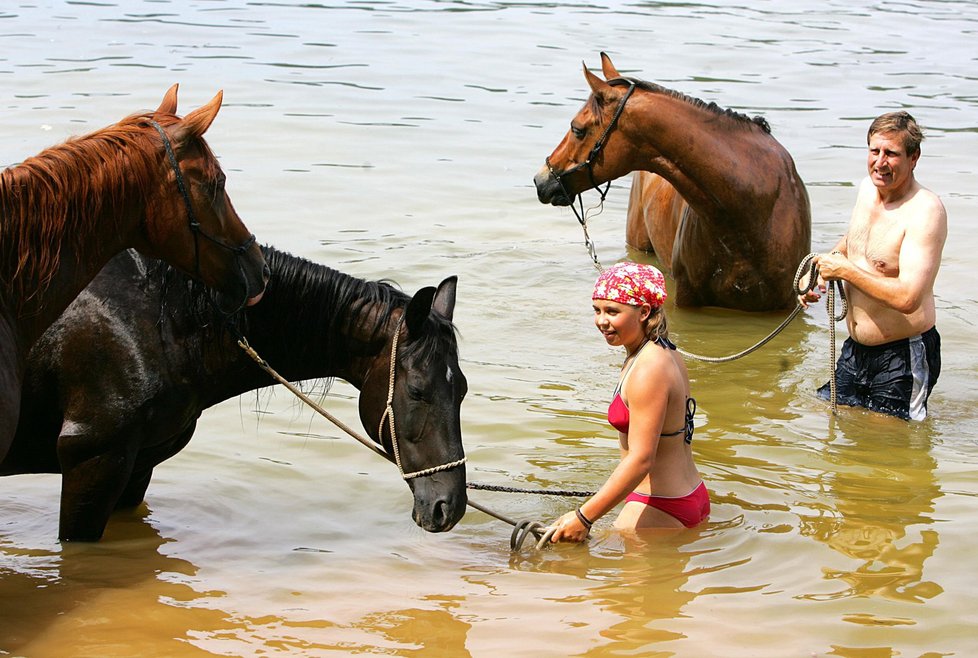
(618, 415)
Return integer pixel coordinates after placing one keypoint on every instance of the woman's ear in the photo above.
(646, 312)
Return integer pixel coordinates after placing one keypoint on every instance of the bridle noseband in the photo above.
(388, 417)
(192, 221)
(593, 154)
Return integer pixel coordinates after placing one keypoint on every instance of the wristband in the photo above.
(583, 519)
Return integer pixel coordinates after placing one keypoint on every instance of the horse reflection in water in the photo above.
(717, 199)
(148, 182)
(116, 386)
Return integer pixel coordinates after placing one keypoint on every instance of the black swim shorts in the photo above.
(893, 378)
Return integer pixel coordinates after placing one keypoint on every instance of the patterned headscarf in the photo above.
(631, 283)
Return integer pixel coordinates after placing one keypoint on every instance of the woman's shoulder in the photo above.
(656, 362)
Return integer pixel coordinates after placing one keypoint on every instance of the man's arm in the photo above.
(920, 258)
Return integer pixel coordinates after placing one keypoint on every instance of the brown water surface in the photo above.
(398, 140)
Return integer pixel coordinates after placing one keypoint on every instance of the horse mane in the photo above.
(739, 117)
(314, 295)
(57, 196)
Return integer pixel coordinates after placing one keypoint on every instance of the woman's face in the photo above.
(620, 324)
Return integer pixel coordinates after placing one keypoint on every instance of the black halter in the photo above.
(192, 222)
(593, 154)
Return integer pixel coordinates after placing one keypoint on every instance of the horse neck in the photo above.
(76, 267)
(701, 152)
(303, 326)
(65, 213)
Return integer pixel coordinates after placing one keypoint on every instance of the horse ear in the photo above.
(609, 70)
(169, 104)
(418, 310)
(598, 86)
(444, 302)
(197, 122)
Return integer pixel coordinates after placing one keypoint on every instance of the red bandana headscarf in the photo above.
(631, 283)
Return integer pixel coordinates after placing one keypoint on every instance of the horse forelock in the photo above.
(439, 337)
(59, 194)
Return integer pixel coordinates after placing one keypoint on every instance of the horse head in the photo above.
(592, 151)
(420, 423)
(190, 221)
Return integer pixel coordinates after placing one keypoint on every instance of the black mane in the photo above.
(314, 295)
(696, 102)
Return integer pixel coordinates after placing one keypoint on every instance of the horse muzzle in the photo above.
(439, 499)
(253, 299)
(549, 189)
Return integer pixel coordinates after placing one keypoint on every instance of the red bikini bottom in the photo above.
(690, 509)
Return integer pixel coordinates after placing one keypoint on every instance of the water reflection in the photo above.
(880, 484)
(90, 591)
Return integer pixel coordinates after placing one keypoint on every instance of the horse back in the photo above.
(96, 367)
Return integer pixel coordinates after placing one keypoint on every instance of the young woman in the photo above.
(652, 410)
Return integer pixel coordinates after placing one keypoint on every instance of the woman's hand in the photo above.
(569, 528)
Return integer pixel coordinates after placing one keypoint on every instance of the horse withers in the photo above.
(116, 385)
(715, 196)
(149, 182)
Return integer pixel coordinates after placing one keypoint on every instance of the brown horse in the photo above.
(148, 182)
(717, 198)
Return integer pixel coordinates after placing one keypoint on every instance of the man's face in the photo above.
(889, 165)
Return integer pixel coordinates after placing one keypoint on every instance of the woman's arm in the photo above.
(647, 392)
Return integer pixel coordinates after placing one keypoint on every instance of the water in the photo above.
(398, 140)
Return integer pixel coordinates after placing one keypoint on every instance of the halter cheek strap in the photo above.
(388, 418)
(588, 163)
(192, 221)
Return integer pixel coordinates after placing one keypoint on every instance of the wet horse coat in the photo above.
(718, 199)
(116, 386)
(148, 182)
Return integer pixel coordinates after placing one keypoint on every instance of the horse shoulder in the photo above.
(655, 211)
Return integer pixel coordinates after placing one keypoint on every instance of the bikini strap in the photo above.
(628, 369)
(688, 426)
(664, 343)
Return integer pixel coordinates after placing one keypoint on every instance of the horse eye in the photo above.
(415, 393)
(578, 132)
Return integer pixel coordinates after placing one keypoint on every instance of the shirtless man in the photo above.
(888, 261)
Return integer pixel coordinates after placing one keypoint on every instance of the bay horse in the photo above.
(715, 196)
(148, 182)
(117, 384)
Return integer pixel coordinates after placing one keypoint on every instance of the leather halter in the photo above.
(192, 222)
(593, 154)
(388, 417)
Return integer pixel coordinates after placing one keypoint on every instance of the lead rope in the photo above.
(521, 529)
(833, 288)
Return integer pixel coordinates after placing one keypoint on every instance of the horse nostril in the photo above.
(439, 516)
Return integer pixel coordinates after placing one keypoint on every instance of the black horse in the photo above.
(116, 386)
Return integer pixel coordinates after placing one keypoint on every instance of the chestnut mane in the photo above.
(57, 196)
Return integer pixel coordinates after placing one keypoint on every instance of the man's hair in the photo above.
(898, 122)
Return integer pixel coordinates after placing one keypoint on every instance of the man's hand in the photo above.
(832, 266)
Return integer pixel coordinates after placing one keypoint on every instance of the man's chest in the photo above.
(877, 243)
